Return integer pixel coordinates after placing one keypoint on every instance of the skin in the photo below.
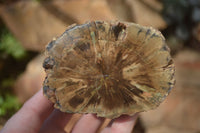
(39, 115)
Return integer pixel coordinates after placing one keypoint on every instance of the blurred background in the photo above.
(26, 26)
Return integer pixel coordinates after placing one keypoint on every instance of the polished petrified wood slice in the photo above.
(108, 68)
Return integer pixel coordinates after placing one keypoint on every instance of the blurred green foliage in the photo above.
(8, 105)
(10, 46)
(12, 54)
(13, 61)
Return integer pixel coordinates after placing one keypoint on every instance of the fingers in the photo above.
(88, 123)
(38, 106)
(123, 124)
(56, 122)
(74, 119)
(31, 115)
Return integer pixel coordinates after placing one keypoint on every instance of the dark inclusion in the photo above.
(45, 89)
(50, 45)
(48, 91)
(48, 63)
(83, 46)
(75, 101)
(164, 48)
(117, 29)
(148, 32)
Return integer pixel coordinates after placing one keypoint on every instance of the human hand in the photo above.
(38, 115)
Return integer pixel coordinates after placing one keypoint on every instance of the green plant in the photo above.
(8, 105)
(10, 46)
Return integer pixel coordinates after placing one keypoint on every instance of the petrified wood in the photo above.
(108, 68)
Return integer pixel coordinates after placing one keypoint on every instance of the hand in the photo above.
(38, 115)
